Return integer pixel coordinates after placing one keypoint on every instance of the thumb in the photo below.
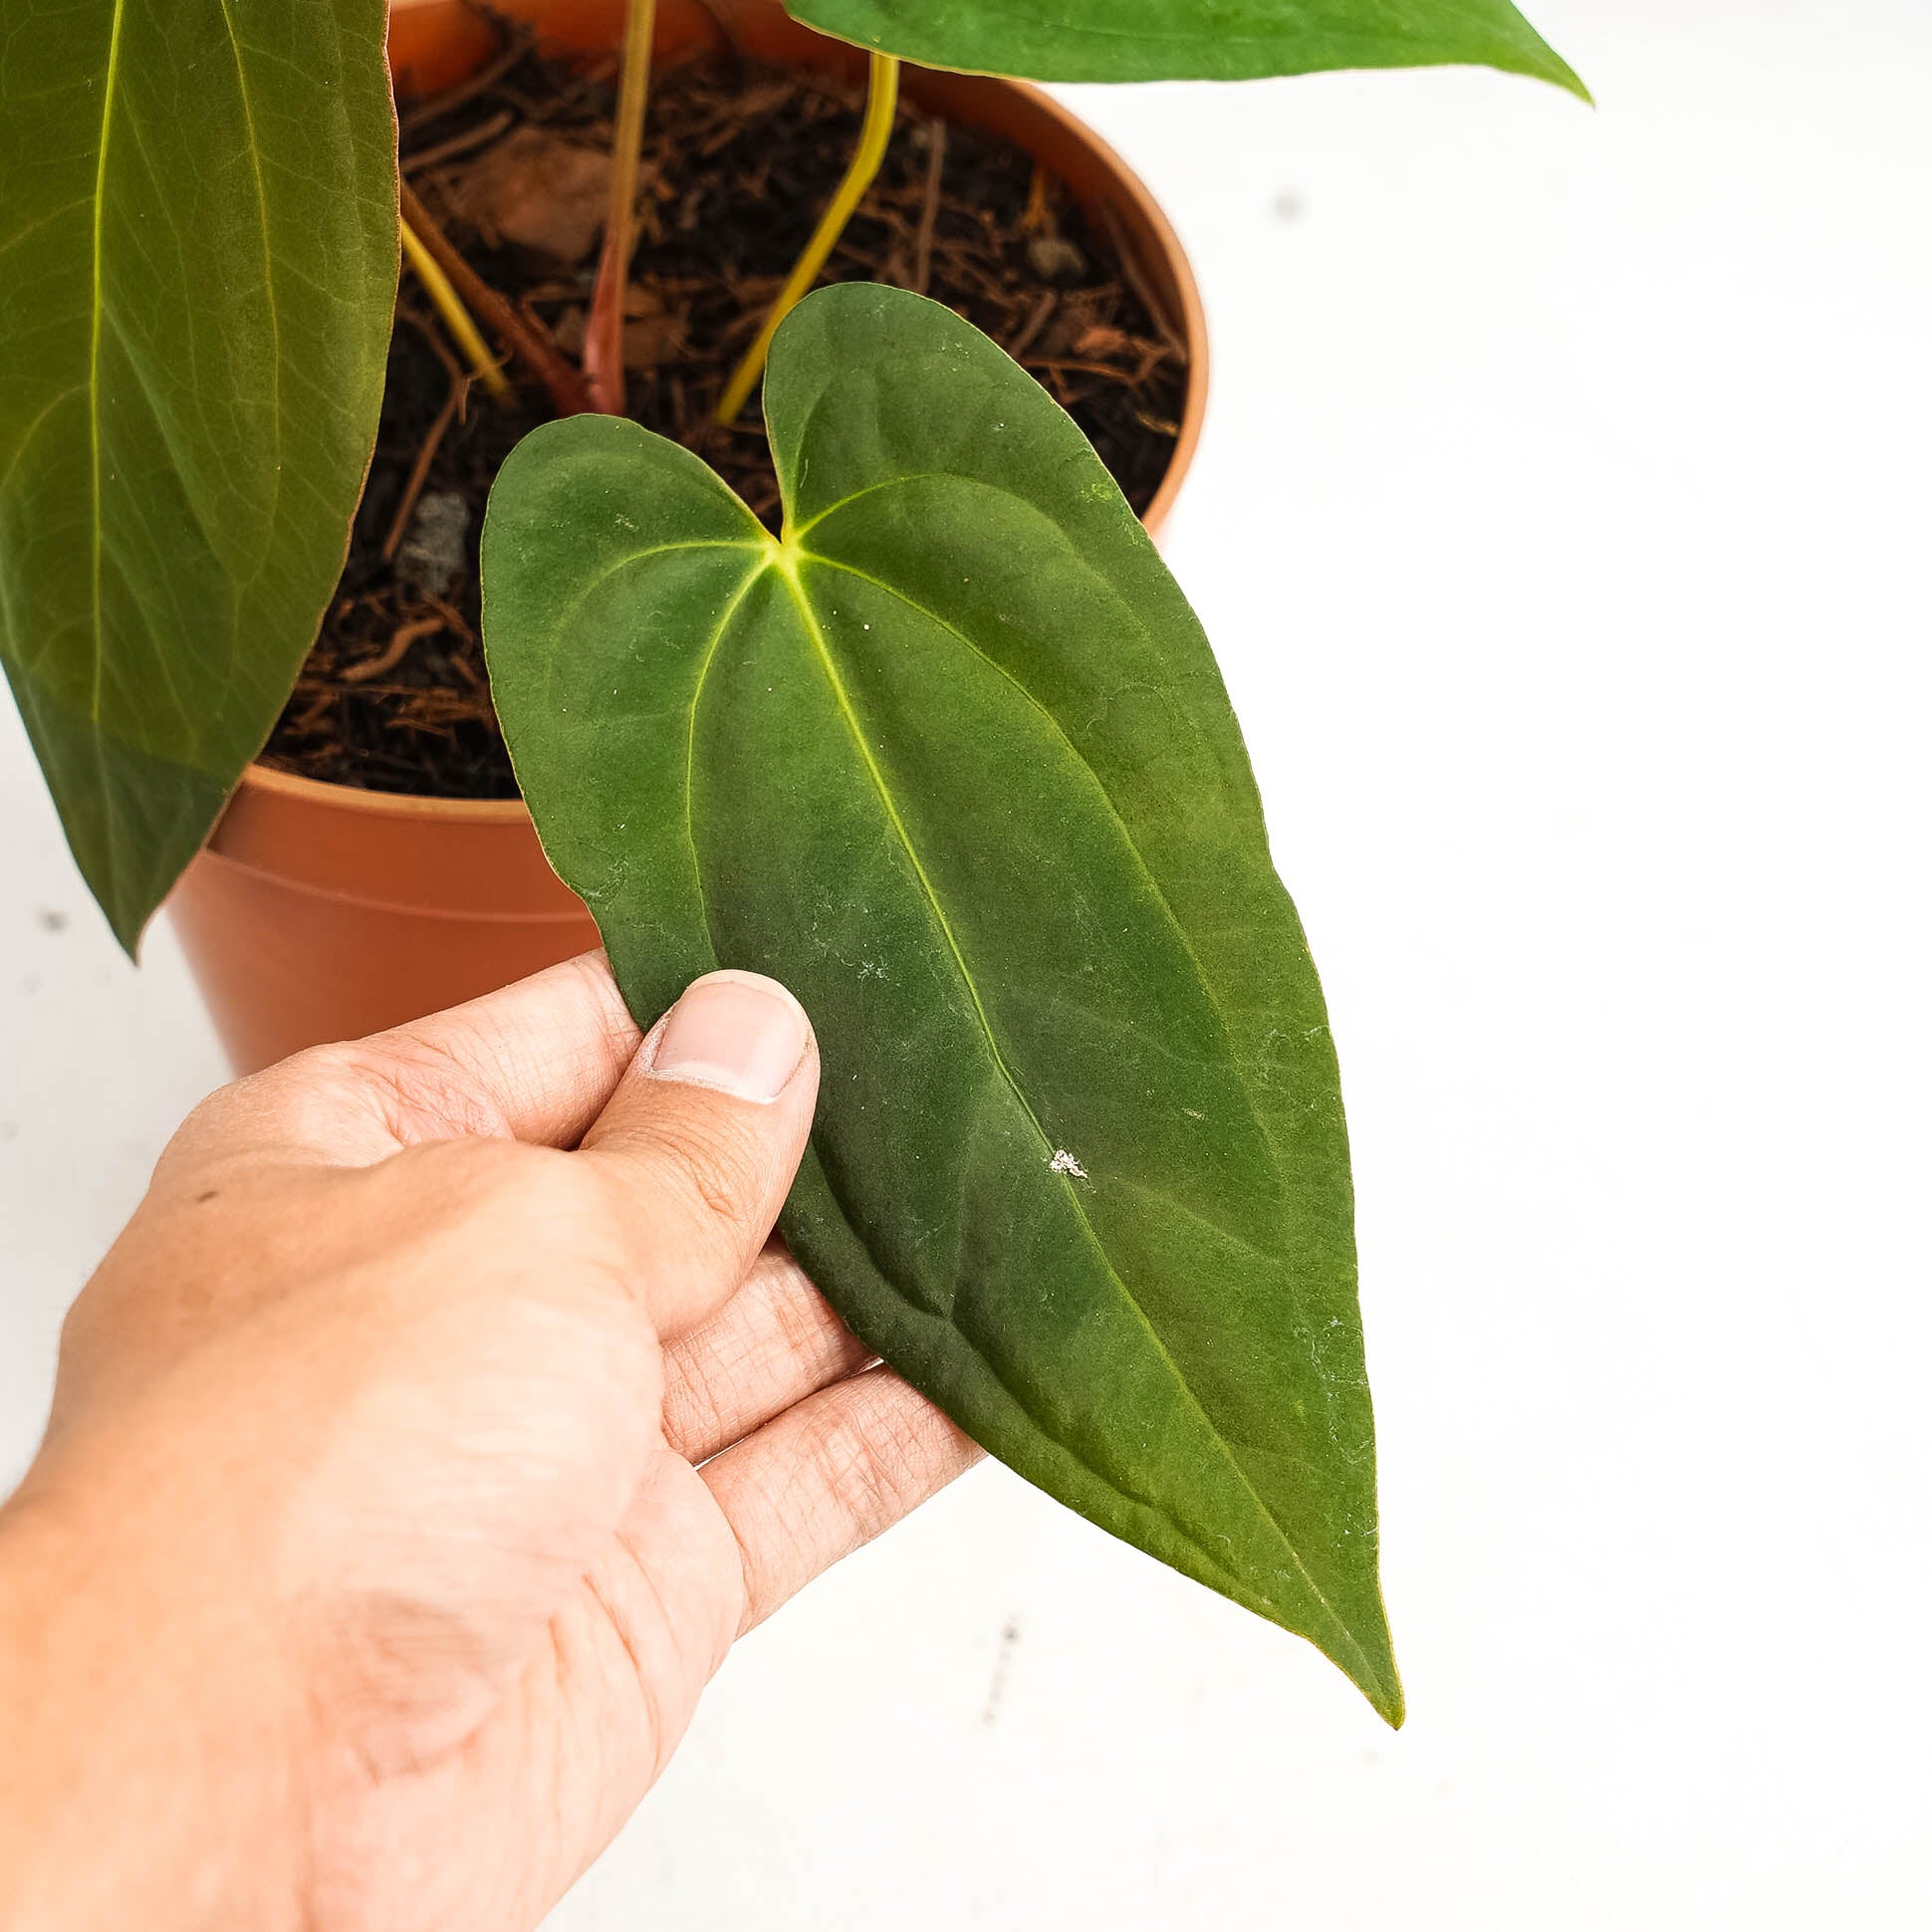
(702, 1137)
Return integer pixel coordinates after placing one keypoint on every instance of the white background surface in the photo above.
(1563, 526)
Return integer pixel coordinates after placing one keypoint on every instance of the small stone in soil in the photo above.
(434, 557)
(1056, 260)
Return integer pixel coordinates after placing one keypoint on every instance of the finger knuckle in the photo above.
(864, 1467)
(417, 1089)
(712, 1171)
(696, 1421)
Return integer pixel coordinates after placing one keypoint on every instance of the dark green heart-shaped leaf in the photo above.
(952, 759)
(197, 265)
(1190, 40)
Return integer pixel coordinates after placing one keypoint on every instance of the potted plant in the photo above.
(937, 740)
(162, 563)
(322, 909)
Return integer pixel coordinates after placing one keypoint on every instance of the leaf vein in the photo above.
(737, 598)
(842, 698)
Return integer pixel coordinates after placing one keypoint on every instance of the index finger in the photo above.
(544, 1055)
(534, 1062)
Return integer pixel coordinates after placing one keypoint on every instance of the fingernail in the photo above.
(741, 1033)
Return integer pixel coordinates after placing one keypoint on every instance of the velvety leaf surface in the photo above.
(953, 761)
(1190, 40)
(197, 265)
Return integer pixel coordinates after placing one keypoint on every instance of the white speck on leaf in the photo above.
(1064, 1163)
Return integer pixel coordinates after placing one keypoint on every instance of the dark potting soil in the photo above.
(738, 162)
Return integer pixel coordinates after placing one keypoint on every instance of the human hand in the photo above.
(409, 1476)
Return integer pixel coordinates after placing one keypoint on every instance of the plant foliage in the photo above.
(951, 756)
(198, 266)
(1190, 40)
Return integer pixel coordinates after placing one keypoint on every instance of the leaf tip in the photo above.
(1367, 1657)
(1559, 73)
(1389, 1702)
(1371, 1669)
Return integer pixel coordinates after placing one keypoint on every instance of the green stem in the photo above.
(449, 305)
(881, 101)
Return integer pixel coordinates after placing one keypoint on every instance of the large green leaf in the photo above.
(952, 759)
(197, 265)
(1192, 40)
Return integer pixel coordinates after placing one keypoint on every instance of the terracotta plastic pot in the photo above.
(321, 913)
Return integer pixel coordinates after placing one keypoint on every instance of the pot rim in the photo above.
(1191, 321)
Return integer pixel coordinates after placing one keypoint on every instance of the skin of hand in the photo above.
(417, 1453)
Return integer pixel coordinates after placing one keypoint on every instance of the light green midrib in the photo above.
(1146, 871)
(786, 566)
(109, 81)
(1054, 725)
